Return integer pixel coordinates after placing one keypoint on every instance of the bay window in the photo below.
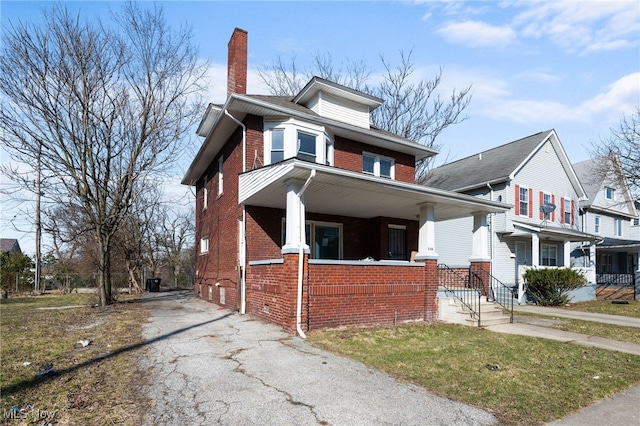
(295, 139)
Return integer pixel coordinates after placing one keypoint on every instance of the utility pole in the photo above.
(38, 225)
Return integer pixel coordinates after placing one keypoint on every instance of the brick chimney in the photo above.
(237, 63)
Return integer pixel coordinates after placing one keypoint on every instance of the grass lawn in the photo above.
(632, 309)
(536, 381)
(97, 384)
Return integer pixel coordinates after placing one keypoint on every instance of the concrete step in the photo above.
(490, 313)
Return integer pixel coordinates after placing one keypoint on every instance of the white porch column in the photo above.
(535, 250)
(566, 245)
(480, 248)
(426, 233)
(295, 218)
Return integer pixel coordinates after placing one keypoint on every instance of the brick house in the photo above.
(309, 217)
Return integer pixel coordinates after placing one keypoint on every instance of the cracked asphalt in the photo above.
(209, 365)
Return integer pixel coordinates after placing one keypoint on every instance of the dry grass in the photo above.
(536, 380)
(98, 384)
(631, 309)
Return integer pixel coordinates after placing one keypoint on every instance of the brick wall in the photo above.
(348, 155)
(219, 221)
(342, 295)
(482, 277)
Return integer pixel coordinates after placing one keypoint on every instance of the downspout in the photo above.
(243, 264)
(301, 256)
(491, 228)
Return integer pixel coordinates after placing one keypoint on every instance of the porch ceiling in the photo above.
(341, 192)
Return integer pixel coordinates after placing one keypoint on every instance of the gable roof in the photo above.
(497, 165)
(593, 178)
(9, 245)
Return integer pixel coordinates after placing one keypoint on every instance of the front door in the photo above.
(397, 243)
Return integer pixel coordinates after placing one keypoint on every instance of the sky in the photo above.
(572, 66)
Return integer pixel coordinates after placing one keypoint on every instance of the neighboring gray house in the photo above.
(536, 178)
(9, 245)
(609, 213)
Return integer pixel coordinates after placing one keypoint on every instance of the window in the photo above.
(567, 211)
(618, 227)
(546, 199)
(205, 192)
(524, 201)
(220, 175)
(636, 221)
(204, 245)
(597, 225)
(277, 145)
(378, 166)
(324, 239)
(293, 138)
(608, 193)
(549, 255)
(306, 146)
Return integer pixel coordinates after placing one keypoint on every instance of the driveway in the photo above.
(213, 366)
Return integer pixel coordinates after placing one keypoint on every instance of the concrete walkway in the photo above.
(210, 366)
(579, 315)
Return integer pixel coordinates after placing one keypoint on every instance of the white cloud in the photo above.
(583, 26)
(477, 34)
(618, 98)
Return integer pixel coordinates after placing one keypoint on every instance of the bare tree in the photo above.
(102, 110)
(176, 233)
(413, 108)
(623, 145)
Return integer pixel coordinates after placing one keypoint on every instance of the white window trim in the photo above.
(618, 227)
(597, 225)
(567, 211)
(606, 193)
(524, 212)
(376, 165)
(220, 176)
(205, 192)
(548, 247)
(291, 127)
(204, 245)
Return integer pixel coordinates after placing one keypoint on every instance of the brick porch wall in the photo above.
(336, 295)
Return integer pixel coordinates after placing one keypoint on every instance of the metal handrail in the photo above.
(503, 295)
(466, 294)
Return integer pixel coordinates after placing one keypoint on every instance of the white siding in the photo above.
(454, 239)
(340, 109)
(544, 172)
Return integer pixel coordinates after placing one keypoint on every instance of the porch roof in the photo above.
(551, 233)
(347, 193)
(616, 243)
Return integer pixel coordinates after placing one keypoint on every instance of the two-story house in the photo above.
(609, 213)
(534, 175)
(309, 217)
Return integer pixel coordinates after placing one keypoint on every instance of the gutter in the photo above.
(301, 256)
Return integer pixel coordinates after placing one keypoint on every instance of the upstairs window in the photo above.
(597, 225)
(524, 201)
(618, 227)
(205, 192)
(277, 145)
(567, 211)
(306, 146)
(220, 176)
(296, 139)
(377, 165)
(608, 193)
(204, 245)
